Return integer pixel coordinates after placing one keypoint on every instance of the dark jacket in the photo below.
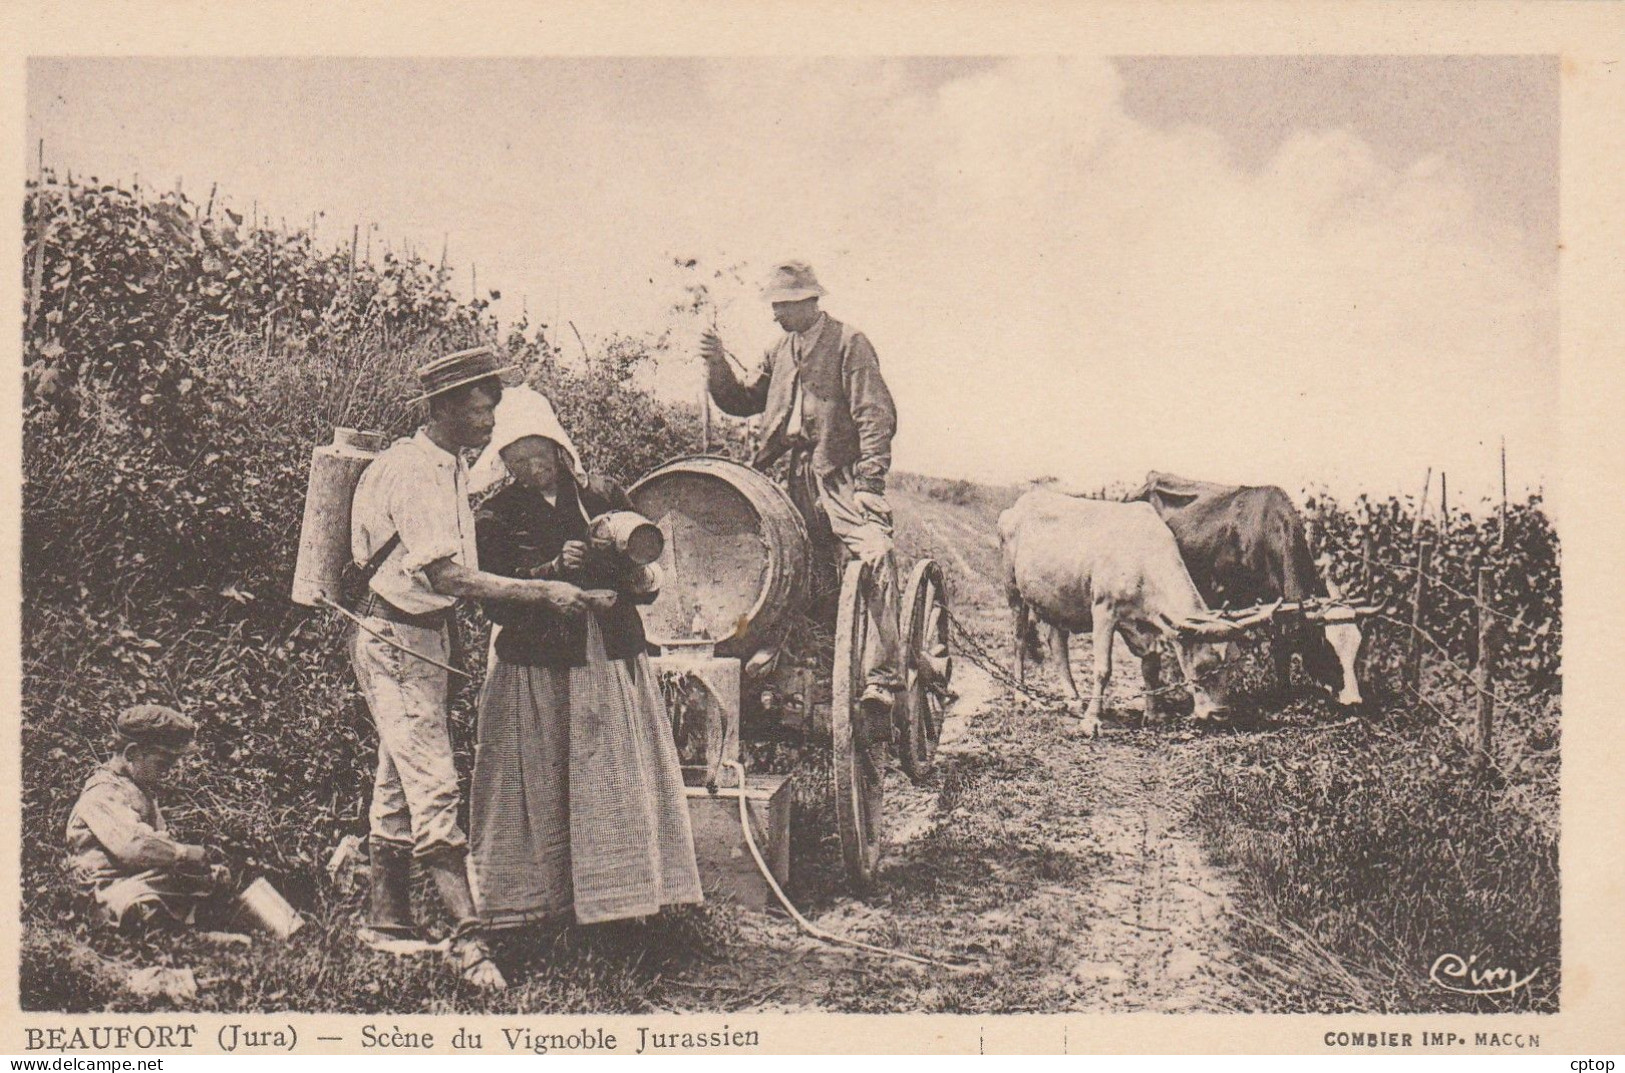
(519, 534)
(846, 410)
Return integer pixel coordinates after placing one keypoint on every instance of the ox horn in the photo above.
(1343, 613)
(1209, 628)
(1262, 615)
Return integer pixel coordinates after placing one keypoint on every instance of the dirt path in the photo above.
(1058, 866)
(1153, 935)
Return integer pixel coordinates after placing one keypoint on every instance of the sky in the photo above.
(1304, 271)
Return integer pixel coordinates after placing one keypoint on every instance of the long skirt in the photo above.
(578, 801)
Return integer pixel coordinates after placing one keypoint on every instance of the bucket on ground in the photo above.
(265, 906)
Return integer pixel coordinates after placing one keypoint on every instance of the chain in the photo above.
(978, 654)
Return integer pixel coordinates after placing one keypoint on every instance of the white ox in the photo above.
(1085, 564)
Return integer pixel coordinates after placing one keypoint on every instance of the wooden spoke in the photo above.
(927, 667)
(859, 765)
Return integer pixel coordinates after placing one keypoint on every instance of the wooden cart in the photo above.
(739, 589)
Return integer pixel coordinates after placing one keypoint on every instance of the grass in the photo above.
(1366, 851)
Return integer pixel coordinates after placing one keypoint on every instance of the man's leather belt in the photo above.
(375, 606)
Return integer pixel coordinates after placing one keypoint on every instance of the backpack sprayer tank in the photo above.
(324, 538)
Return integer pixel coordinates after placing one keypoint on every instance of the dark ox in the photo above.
(1246, 546)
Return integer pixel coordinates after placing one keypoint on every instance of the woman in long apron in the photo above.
(577, 801)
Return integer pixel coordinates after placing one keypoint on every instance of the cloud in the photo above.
(1056, 288)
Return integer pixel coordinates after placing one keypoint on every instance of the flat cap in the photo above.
(154, 724)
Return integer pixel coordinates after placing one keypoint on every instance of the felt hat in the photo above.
(791, 281)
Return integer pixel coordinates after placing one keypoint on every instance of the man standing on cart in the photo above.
(827, 409)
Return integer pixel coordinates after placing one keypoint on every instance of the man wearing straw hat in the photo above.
(827, 408)
(413, 527)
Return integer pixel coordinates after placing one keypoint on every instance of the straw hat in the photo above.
(791, 281)
(455, 370)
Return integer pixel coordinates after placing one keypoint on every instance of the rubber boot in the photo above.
(390, 911)
(468, 950)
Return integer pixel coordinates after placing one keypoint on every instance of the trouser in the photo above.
(414, 795)
(841, 530)
(154, 896)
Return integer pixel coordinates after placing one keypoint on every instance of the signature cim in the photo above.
(1463, 976)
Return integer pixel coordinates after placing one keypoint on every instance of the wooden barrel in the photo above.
(735, 562)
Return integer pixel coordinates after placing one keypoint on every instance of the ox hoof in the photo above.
(1087, 725)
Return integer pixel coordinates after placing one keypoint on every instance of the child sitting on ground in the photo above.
(119, 847)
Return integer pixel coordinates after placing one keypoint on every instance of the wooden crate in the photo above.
(727, 869)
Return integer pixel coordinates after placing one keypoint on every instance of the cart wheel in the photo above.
(859, 765)
(927, 668)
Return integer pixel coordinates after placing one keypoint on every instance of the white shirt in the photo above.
(420, 490)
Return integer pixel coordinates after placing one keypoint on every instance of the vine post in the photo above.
(1484, 672)
(1413, 663)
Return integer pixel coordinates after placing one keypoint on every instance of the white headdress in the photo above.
(522, 412)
